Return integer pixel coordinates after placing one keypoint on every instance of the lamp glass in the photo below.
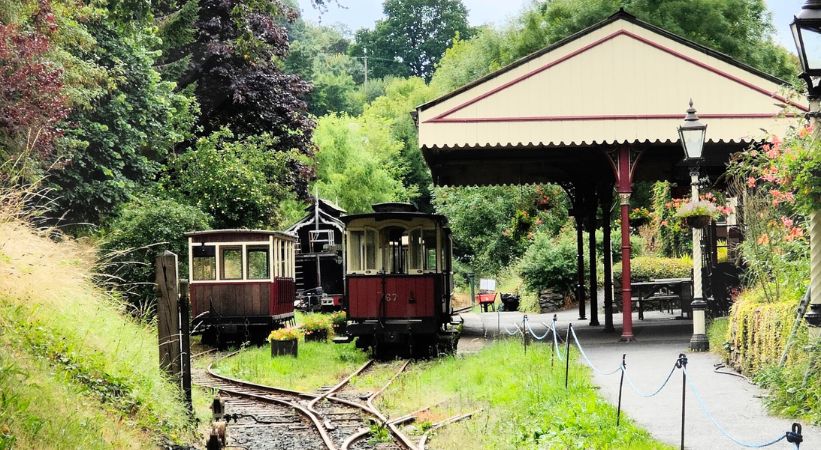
(810, 38)
(692, 139)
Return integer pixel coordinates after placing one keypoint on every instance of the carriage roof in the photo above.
(440, 220)
(239, 234)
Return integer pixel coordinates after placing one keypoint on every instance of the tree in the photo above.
(357, 162)
(415, 33)
(118, 141)
(32, 99)
(230, 55)
(239, 183)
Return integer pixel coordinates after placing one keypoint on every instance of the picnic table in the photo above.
(663, 293)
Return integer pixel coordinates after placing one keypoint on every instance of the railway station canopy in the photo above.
(554, 115)
(597, 111)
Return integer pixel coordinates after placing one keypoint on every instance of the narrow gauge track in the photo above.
(322, 421)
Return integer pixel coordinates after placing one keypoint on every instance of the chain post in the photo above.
(682, 364)
(567, 355)
(794, 435)
(621, 385)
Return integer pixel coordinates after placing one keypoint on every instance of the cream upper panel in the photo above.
(619, 71)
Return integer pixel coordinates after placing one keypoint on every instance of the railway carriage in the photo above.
(241, 283)
(398, 281)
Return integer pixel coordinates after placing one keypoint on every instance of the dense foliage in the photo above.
(412, 37)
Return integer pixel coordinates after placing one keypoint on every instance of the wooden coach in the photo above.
(399, 280)
(242, 283)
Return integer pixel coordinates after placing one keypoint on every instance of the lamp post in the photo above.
(806, 30)
(692, 133)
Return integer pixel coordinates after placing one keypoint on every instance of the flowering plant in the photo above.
(316, 322)
(699, 208)
(285, 334)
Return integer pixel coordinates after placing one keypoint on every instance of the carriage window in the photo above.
(283, 259)
(204, 262)
(429, 249)
(231, 263)
(362, 253)
(395, 242)
(415, 255)
(257, 258)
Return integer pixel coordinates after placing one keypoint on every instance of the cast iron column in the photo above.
(606, 199)
(625, 189)
(591, 230)
(698, 342)
(580, 260)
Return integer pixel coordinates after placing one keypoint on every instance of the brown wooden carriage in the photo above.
(241, 283)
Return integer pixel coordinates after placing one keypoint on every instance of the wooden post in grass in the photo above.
(168, 317)
(185, 340)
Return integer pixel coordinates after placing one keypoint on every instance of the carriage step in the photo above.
(342, 339)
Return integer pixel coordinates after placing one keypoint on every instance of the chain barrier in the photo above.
(533, 333)
(556, 340)
(712, 419)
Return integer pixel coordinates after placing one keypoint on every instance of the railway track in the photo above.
(276, 418)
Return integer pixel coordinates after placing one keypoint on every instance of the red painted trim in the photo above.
(577, 52)
(609, 117)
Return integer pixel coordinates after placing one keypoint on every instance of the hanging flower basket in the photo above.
(698, 221)
(285, 348)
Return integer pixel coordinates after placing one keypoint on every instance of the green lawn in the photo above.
(318, 364)
(524, 403)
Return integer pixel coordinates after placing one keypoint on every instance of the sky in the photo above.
(356, 14)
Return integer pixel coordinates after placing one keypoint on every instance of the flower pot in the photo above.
(316, 335)
(698, 221)
(339, 328)
(282, 348)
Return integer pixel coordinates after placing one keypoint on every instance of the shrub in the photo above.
(312, 323)
(550, 263)
(645, 268)
(285, 334)
(339, 318)
(143, 228)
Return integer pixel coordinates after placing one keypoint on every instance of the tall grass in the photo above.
(523, 400)
(73, 361)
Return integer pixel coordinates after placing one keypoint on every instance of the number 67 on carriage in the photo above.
(399, 281)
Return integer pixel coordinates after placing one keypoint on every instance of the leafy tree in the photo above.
(32, 101)
(144, 227)
(357, 162)
(394, 107)
(118, 141)
(239, 183)
(415, 33)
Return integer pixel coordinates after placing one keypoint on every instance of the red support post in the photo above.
(625, 188)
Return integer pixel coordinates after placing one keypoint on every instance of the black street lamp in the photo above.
(806, 31)
(692, 134)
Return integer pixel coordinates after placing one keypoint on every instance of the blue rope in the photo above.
(720, 428)
(533, 333)
(590, 363)
(652, 394)
(556, 341)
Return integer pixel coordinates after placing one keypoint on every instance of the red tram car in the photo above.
(241, 283)
(399, 281)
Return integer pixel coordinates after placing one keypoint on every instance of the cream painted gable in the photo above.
(619, 83)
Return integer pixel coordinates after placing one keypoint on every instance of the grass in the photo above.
(718, 335)
(523, 400)
(318, 364)
(76, 372)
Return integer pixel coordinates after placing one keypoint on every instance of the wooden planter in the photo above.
(316, 335)
(698, 221)
(339, 328)
(283, 348)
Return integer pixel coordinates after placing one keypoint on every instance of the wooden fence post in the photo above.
(185, 337)
(168, 318)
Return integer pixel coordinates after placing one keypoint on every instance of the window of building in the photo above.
(231, 263)
(204, 262)
(258, 261)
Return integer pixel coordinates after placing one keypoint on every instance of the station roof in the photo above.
(621, 81)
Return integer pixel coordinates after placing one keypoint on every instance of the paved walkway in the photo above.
(735, 403)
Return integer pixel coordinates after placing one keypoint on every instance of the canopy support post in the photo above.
(580, 260)
(625, 188)
(591, 242)
(606, 202)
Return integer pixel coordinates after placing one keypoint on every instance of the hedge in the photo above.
(758, 332)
